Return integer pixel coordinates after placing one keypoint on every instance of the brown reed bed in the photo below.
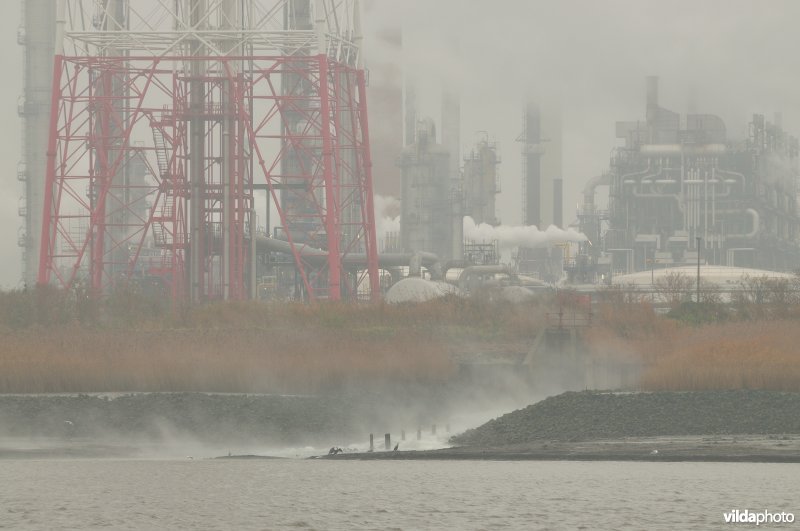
(48, 344)
(274, 360)
(741, 354)
(54, 342)
(754, 355)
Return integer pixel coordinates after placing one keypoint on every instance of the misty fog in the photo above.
(730, 58)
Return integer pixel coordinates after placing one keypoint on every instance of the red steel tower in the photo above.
(217, 99)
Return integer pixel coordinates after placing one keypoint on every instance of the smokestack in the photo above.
(410, 111)
(451, 129)
(558, 202)
(385, 95)
(531, 152)
(451, 139)
(652, 106)
(652, 91)
(691, 100)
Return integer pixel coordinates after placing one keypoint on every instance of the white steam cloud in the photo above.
(387, 220)
(519, 236)
(387, 215)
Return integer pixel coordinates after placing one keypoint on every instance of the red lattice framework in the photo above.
(102, 228)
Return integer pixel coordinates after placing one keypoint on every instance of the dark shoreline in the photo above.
(714, 426)
(733, 449)
(740, 449)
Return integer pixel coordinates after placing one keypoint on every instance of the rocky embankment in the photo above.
(591, 415)
(161, 416)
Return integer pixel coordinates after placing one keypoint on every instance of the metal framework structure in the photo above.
(682, 192)
(218, 98)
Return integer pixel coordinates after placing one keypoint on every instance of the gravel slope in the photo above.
(590, 415)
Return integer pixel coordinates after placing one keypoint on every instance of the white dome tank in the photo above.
(415, 289)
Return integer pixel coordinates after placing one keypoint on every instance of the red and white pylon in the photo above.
(211, 128)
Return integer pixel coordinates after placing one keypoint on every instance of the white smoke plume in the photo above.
(387, 215)
(519, 236)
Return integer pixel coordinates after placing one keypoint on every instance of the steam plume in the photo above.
(519, 236)
(387, 215)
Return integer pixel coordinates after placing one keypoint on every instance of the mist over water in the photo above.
(170, 425)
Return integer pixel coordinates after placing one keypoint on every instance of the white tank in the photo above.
(415, 289)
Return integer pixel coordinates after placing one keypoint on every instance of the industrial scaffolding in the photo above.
(217, 99)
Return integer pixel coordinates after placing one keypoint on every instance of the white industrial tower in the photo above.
(37, 35)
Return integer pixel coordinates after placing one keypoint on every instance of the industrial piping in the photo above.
(313, 255)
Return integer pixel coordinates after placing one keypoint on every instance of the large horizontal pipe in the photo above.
(677, 149)
(471, 271)
(318, 256)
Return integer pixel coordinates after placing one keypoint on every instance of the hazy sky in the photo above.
(590, 57)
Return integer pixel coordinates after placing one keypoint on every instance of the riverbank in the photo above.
(734, 426)
(730, 426)
(88, 423)
(741, 448)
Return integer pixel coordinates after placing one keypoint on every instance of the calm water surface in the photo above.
(303, 494)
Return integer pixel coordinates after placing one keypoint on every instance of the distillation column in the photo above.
(37, 35)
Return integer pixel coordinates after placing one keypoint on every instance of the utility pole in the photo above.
(699, 239)
(653, 268)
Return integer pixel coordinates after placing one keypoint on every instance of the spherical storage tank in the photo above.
(415, 289)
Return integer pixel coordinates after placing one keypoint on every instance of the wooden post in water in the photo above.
(371, 445)
(387, 441)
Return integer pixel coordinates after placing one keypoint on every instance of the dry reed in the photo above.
(760, 355)
(305, 360)
(52, 342)
(242, 347)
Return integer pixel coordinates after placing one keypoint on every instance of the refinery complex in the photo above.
(230, 150)
(680, 190)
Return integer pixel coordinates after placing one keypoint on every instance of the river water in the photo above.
(210, 494)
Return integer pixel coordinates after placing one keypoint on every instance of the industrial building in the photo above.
(682, 192)
(210, 152)
(542, 180)
(385, 96)
(482, 183)
(222, 151)
(542, 188)
(37, 35)
(431, 218)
